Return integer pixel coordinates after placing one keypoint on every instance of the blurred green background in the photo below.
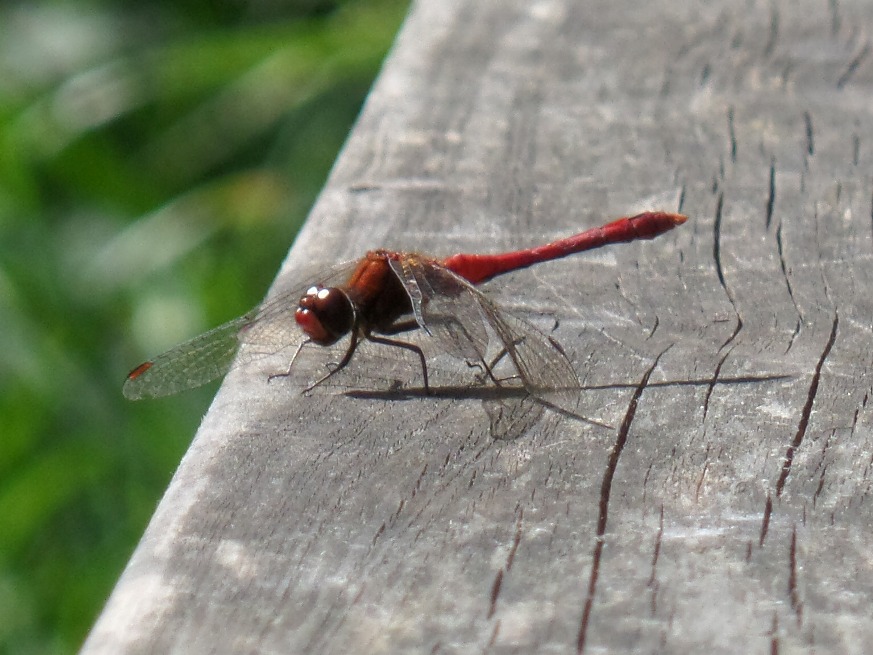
(156, 161)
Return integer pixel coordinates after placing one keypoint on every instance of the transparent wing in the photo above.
(272, 327)
(445, 306)
(188, 365)
(456, 313)
(268, 329)
(541, 362)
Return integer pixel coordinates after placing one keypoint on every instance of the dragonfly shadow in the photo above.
(513, 410)
(447, 392)
(467, 392)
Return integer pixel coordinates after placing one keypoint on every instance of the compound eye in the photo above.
(325, 314)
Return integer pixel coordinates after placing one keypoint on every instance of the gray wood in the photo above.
(714, 517)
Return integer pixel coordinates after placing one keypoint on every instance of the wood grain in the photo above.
(717, 514)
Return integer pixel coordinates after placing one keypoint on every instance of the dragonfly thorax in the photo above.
(325, 314)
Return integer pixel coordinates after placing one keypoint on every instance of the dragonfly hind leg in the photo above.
(484, 367)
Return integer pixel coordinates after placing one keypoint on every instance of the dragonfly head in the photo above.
(325, 314)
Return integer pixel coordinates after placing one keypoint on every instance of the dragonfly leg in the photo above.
(407, 346)
(353, 345)
(400, 326)
(291, 363)
(486, 368)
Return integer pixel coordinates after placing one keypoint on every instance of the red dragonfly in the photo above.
(386, 293)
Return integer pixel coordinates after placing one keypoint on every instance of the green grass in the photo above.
(155, 165)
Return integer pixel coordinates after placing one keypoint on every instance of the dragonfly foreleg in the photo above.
(291, 363)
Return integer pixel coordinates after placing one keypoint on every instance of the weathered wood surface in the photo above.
(722, 517)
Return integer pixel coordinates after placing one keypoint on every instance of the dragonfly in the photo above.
(387, 293)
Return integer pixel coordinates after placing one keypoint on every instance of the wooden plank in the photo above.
(714, 516)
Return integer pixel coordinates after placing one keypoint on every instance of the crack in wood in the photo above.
(716, 240)
(494, 634)
(818, 489)
(495, 592)
(793, 592)
(807, 411)
(378, 534)
(653, 577)
(510, 558)
(711, 386)
(654, 328)
(822, 467)
(397, 512)
(732, 135)
(716, 255)
(646, 482)
(702, 476)
(801, 431)
(605, 492)
(773, 36)
(810, 139)
(765, 522)
(788, 287)
(418, 481)
(836, 19)
(771, 193)
(774, 635)
(871, 213)
(853, 66)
